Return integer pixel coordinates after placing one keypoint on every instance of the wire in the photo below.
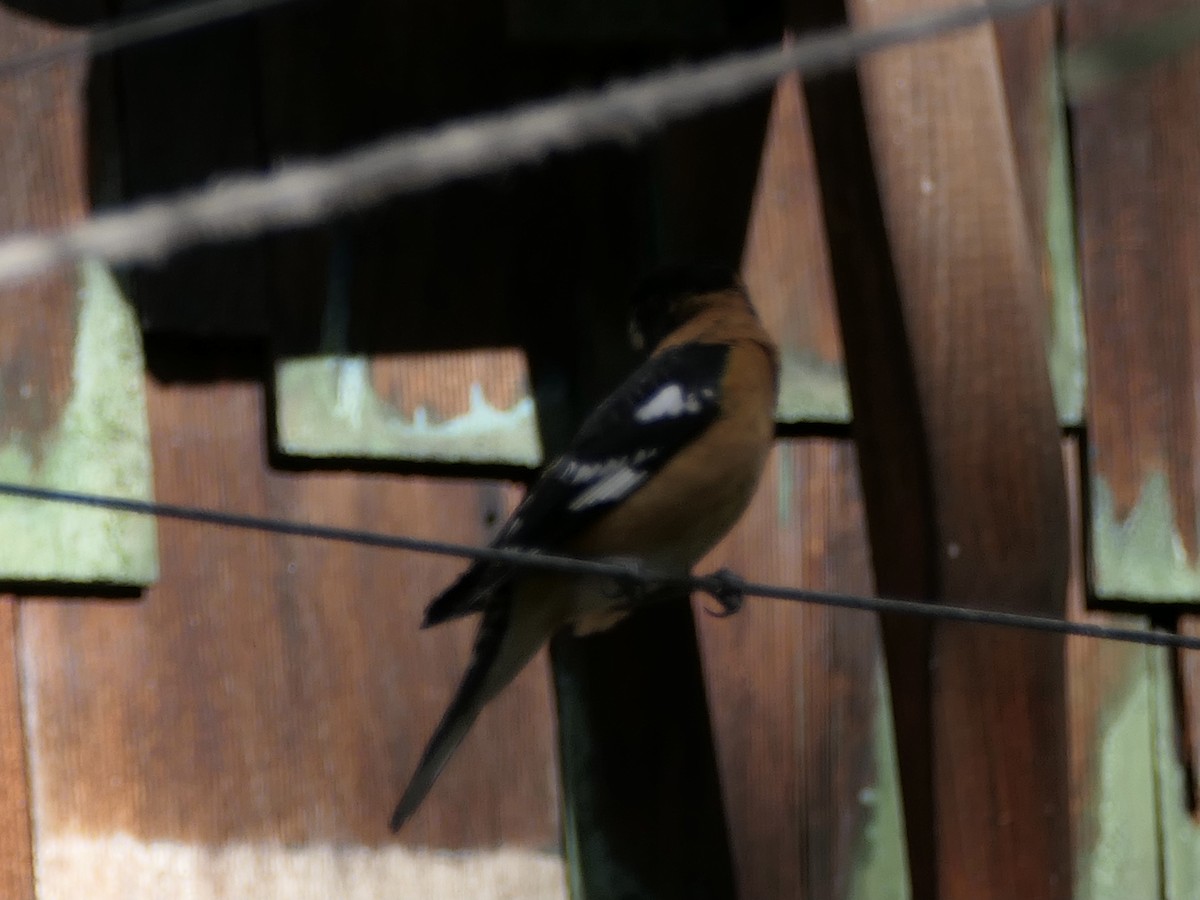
(134, 30)
(306, 194)
(723, 585)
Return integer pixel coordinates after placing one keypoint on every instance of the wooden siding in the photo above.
(70, 355)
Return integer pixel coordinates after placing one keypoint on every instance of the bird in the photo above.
(657, 474)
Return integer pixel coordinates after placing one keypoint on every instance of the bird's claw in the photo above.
(727, 588)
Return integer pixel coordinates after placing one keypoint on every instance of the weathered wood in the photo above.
(960, 439)
(471, 406)
(1028, 60)
(16, 857)
(800, 712)
(1111, 723)
(900, 538)
(1178, 829)
(1138, 183)
(1137, 174)
(70, 354)
(786, 267)
(272, 692)
(1187, 673)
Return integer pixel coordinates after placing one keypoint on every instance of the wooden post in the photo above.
(942, 321)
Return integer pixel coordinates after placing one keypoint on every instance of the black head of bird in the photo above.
(670, 296)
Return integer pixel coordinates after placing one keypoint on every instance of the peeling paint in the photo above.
(1066, 350)
(811, 390)
(1180, 832)
(100, 445)
(1122, 861)
(785, 485)
(327, 407)
(1141, 557)
(881, 858)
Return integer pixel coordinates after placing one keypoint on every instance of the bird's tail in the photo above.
(505, 642)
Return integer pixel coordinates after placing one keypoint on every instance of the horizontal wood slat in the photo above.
(70, 355)
(272, 691)
(1137, 179)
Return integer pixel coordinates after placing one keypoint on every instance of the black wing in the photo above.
(658, 410)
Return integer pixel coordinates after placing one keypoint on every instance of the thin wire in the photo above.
(719, 584)
(306, 194)
(134, 30)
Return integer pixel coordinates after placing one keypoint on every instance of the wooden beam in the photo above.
(940, 306)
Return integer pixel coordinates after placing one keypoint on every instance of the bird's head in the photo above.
(672, 295)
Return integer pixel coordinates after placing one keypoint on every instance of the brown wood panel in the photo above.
(1174, 747)
(786, 267)
(41, 187)
(1187, 664)
(272, 690)
(1137, 176)
(1026, 47)
(807, 769)
(41, 164)
(1115, 829)
(16, 858)
(73, 413)
(959, 451)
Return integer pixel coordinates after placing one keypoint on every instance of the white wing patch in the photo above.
(617, 481)
(670, 402)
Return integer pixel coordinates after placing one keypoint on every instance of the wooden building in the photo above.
(197, 711)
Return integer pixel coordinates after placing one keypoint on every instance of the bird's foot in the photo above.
(728, 589)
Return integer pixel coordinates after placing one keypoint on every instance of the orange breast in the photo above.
(680, 513)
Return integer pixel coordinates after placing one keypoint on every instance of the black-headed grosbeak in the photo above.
(658, 473)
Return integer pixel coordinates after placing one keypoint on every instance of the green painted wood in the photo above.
(329, 406)
(1177, 823)
(1067, 349)
(72, 405)
(1137, 181)
(99, 444)
(1114, 716)
(1111, 722)
(1028, 53)
(1107, 61)
(880, 869)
